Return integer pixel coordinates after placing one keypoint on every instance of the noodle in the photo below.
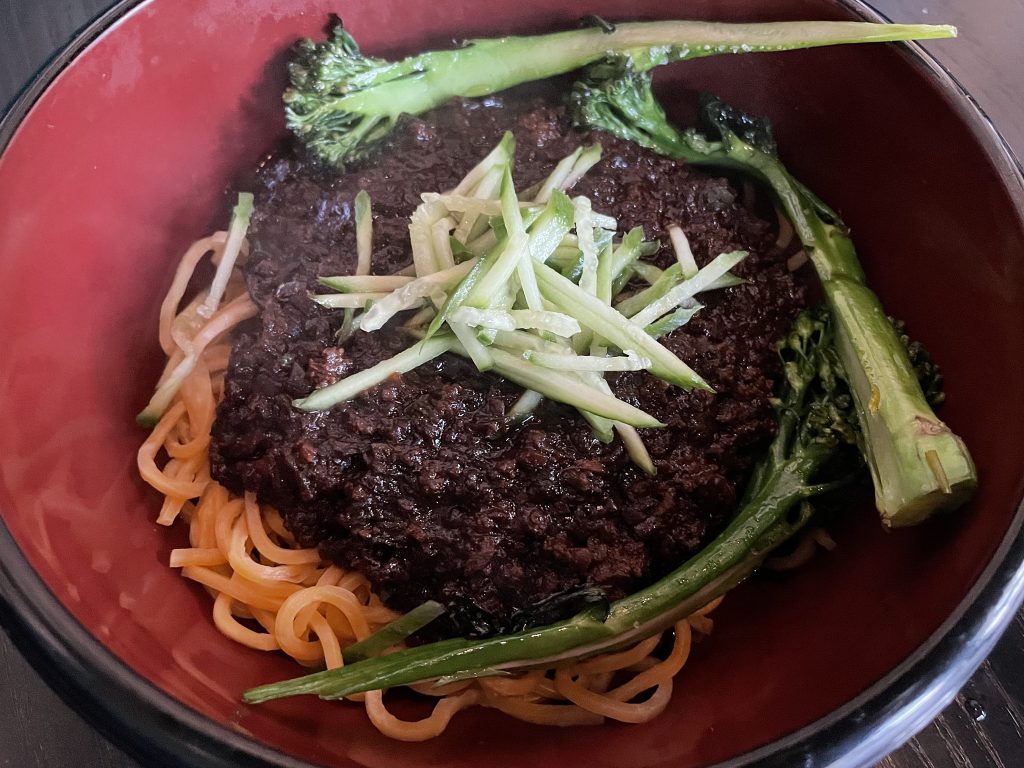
(272, 595)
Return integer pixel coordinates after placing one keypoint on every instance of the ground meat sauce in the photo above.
(421, 483)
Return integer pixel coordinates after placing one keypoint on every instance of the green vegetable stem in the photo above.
(918, 465)
(341, 103)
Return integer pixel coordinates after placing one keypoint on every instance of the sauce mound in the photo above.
(422, 483)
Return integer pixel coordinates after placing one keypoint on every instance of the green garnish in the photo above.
(394, 633)
(511, 313)
(341, 103)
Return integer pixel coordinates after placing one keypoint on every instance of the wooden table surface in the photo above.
(982, 728)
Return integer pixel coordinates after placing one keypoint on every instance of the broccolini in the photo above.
(341, 103)
(919, 466)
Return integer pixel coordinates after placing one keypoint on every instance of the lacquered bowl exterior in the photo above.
(127, 157)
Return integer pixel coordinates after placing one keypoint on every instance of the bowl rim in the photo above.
(152, 725)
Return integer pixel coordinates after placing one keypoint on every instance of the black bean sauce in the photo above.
(421, 483)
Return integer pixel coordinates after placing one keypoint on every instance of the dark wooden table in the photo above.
(982, 728)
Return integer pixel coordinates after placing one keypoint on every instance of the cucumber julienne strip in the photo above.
(668, 279)
(352, 385)
(584, 221)
(635, 447)
(394, 633)
(528, 285)
(627, 252)
(611, 325)
(502, 153)
(603, 429)
(672, 321)
(563, 388)
(525, 406)
(478, 206)
(548, 230)
(473, 224)
(681, 245)
(420, 238)
(647, 272)
(348, 300)
(520, 342)
(630, 437)
(689, 288)
(240, 216)
(614, 270)
(459, 294)
(364, 232)
(556, 179)
(362, 283)
(442, 243)
(604, 221)
(604, 276)
(406, 296)
(662, 281)
(472, 346)
(510, 320)
(631, 361)
(516, 247)
(587, 159)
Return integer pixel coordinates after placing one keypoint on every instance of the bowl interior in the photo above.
(127, 158)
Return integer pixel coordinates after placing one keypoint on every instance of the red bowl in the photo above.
(119, 155)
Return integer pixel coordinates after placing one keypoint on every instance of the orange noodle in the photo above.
(270, 594)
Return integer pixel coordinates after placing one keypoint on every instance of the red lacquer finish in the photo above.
(127, 158)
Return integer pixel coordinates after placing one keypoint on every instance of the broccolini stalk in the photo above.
(814, 426)
(918, 465)
(341, 103)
